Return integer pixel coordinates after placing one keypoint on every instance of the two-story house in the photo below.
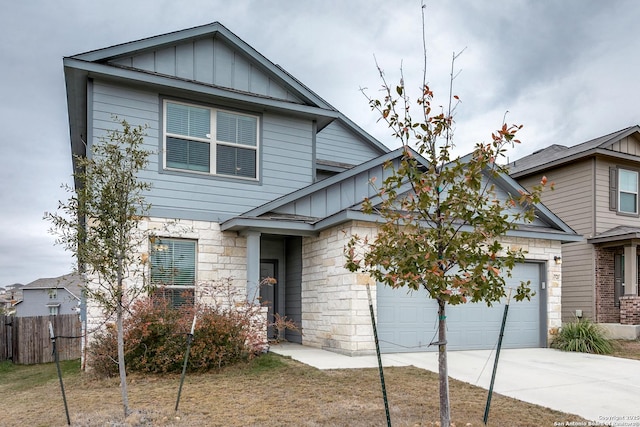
(254, 175)
(596, 193)
(51, 296)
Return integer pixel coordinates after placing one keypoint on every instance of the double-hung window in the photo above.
(173, 268)
(210, 140)
(627, 191)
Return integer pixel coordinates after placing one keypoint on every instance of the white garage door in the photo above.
(408, 322)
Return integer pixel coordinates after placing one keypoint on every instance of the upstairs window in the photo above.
(210, 140)
(623, 191)
(173, 269)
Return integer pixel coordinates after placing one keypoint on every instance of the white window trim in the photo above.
(54, 309)
(211, 141)
(620, 191)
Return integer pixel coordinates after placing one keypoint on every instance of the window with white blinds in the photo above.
(627, 191)
(210, 140)
(173, 262)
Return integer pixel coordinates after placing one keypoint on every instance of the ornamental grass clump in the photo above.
(582, 336)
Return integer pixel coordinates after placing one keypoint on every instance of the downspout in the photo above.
(314, 133)
(593, 233)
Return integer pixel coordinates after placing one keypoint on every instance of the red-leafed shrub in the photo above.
(155, 337)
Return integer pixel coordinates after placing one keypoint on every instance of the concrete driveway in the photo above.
(601, 389)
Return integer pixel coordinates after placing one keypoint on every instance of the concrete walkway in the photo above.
(601, 389)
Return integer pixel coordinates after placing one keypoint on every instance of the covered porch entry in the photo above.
(277, 257)
(617, 298)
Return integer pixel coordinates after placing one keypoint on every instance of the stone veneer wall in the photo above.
(220, 255)
(335, 307)
(335, 313)
(606, 310)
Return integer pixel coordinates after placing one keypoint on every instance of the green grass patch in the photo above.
(266, 362)
(23, 377)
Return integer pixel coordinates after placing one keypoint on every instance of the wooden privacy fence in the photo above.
(26, 340)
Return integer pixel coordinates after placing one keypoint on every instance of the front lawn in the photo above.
(628, 349)
(269, 391)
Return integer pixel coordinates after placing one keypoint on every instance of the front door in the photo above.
(269, 293)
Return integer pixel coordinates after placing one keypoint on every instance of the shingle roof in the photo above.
(556, 154)
(71, 282)
(621, 232)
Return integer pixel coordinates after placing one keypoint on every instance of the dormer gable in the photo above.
(210, 55)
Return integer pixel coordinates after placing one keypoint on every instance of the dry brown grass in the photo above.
(270, 391)
(628, 349)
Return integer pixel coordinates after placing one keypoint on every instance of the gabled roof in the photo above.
(133, 62)
(338, 199)
(71, 282)
(557, 155)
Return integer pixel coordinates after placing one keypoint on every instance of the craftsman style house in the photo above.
(596, 193)
(255, 175)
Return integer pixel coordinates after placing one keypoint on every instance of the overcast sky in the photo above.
(565, 69)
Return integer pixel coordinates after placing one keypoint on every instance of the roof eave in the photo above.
(611, 239)
(172, 84)
(269, 226)
(578, 156)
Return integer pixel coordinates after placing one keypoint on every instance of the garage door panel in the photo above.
(408, 321)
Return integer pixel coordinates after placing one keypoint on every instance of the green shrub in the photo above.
(582, 336)
(155, 337)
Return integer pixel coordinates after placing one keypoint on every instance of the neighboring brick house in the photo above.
(255, 175)
(596, 193)
(51, 297)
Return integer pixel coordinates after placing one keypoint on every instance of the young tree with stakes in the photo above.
(440, 219)
(99, 225)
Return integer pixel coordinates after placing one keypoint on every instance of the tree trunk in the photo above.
(121, 367)
(120, 329)
(445, 413)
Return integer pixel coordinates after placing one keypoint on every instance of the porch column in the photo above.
(630, 270)
(253, 266)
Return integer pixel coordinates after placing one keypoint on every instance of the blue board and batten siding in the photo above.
(286, 156)
(289, 144)
(210, 61)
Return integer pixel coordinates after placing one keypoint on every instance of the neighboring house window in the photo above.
(628, 191)
(210, 140)
(54, 309)
(53, 293)
(623, 191)
(173, 269)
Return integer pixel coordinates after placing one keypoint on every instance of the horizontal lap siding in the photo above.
(573, 201)
(572, 197)
(336, 143)
(285, 163)
(609, 219)
(578, 276)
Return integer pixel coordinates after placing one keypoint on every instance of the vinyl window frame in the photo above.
(172, 289)
(633, 192)
(212, 139)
